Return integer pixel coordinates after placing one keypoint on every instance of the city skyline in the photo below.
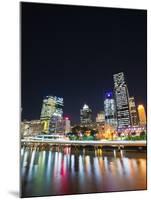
(77, 62)
(110, 106)
(83, 124)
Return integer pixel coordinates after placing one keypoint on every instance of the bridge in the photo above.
(102, 143)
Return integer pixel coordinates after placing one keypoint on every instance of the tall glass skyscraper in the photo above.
(122, 101)
(110, 110)
(85, 115)
(51, 113)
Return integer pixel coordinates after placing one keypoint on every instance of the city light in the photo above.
(118, 120)
(142, 115)
(140, 106)
(85, 106)
(82, 129)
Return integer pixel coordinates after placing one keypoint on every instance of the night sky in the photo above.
(73, 52)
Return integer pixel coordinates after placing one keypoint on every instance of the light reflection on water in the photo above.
(56, 172)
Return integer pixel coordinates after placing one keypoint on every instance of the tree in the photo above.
(76, 129)
(133, 133)
(142, 133)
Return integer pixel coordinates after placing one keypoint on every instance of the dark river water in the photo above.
(63, 171)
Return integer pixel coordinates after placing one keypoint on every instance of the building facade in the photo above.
(85, 116)
(142, 115)
(100, 119)
(110, 110)
(31, 128)
(67, 125)
(133, 112)
(51, 114)
(122, 101)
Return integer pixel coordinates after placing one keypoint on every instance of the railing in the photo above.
(87, 143)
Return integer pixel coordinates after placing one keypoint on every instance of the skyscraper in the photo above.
(100, 119)
(110, 110)
(142, 115)
(51, 113)
(67, 126)
(85, 115)
(133, 112)
(122, 100)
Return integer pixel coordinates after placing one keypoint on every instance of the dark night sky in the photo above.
(73, 52)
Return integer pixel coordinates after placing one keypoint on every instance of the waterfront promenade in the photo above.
(102, 143)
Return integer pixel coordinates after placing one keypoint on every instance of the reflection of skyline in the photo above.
(62, 173)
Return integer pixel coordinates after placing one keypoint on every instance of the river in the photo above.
(64, 171)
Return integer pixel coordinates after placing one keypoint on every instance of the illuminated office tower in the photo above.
(142, 115)
(110, 110)
(51, 113)
(122, 101)
(85, 115)
(100, 119)
(67, 126)
(133, 112)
